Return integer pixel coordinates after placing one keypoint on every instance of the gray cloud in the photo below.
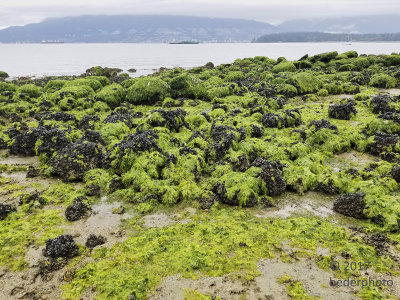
(22, 12)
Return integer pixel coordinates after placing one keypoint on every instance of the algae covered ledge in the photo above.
(259, 179)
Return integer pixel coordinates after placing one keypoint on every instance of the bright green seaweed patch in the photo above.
(295, 289)
(226, 241)
(18, 231)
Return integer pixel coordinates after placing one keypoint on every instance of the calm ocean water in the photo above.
(73, 59)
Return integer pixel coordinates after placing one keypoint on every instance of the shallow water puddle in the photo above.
(292, 204)
(160, 220)
(350, 159)
(391, 92)
(102, 221)
(17, 160)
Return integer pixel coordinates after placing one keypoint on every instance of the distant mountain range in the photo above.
(136, 29)
(303, 37)
(359, 24)
(162, 29)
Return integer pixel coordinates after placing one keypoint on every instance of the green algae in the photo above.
(190, 294)
(20, 230)
(295, 289)
(147, 91)
(226, 241)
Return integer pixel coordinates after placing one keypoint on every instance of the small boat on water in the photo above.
(185, 43)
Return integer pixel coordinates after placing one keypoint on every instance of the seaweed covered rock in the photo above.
(223, 137)
(305, 82)
(48, 266)
(324, 57)
(221, 194)
(321, 124)
(88, 122)
(342, 111)
(5, 210)
(32, 172)
(383, 142)
(284, 66)
(327, 187)
(147, 91)
(120, 115)
(73, 161)
(34, 200)
(77, 210)
(140, 141)
(384, 104)
(183, 86)
(56, 116)
(62, 246)
(112, 94)
(93, 190)
(51, 140)
(395, 117)
(379, 241)
(172, 119)
(272, 175)
(351, 205)
(103, 71)
(288, 118)
(95, 240)
(24, 142)
(93, 137)
(38, 140)
(395, 172)
(384, 81)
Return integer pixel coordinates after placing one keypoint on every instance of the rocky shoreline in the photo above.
(258, 160)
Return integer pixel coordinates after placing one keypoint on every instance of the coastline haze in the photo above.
(23, 12)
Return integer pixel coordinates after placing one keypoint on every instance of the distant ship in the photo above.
(185, 43)
(52, 42)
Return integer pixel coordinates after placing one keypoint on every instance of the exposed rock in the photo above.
(343, 111)
(93, 190)
(73, 161)
(95, 240)
(320, 124)
(50, 141)
(272, 175)
(328, 188)
(288, 118)
(115, 184)
(5, 210)
(396, 173)
(120, 115)
(87, 122)
(49, 266)
(351, 205)
(56, 116)
(77, 210)
(379, 241)
(62, 246)
(380, 104)
(382, 141)
(33, 199)
(172, 119)
(93, 137)
(140, 141)
(32, 172)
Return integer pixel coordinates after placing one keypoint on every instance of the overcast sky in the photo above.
(20, 12)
